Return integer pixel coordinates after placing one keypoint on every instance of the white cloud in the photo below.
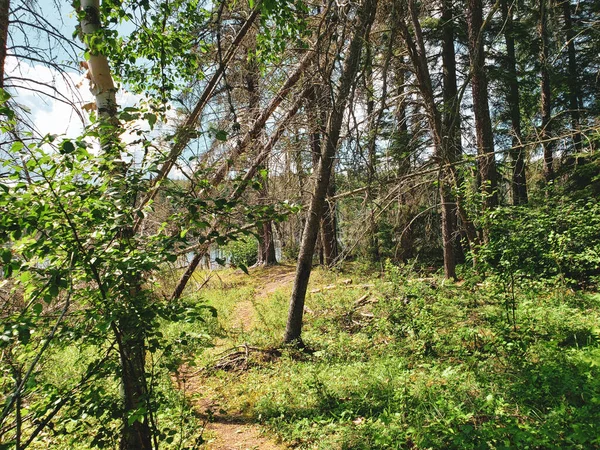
(51, 99)
(39, 89)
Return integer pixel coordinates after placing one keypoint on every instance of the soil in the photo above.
(225, 431)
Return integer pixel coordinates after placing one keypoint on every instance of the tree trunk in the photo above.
(418, 56)
(296, 310)
(573, 78)
(135, 434)
(517, 151)
(546, 95)
(4, 10)
(266, 245)
(329, 226)
(451, 125)
(317, 117)
(483, 123)
(189, 272)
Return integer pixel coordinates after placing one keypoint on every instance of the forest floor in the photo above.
(233, 430)
(397, 360)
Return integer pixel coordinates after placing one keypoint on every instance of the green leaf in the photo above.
(221, 261)
(151, 118)
(24, 334)
(53, 289)
(67, 147)
(136, 416)
(4, 96)
(221, 135)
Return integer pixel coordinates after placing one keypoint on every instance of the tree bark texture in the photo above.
(483, 123)
(4, 11)
(102, 85)
(296, 310)
(574, 92)
(546, 94)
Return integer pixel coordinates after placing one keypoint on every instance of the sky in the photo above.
(48, 114)
(43, 91)
(51, 96)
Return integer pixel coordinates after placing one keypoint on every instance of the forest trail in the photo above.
(273, 278)
(231, 430)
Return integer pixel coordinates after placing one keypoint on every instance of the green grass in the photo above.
(426, 364)
(419, 363)
(90, 418)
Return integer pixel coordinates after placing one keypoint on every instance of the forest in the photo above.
(299, 224)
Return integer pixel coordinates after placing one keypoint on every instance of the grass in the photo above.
(396, 360)
(421, 364)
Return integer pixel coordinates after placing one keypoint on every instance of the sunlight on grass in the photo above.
(399, 363)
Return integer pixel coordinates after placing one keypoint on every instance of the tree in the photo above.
(318, 108)
(442, 136)
(130, 334)
(481, 109)
(366, 15)
(517, 152)
(573, 93)
(91, 237)
(546, 93)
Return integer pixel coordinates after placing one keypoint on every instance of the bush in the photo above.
(243, 252)
(558, 240)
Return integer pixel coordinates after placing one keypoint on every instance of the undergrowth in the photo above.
(399, 361)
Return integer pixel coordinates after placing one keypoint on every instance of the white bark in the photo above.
(101, 82)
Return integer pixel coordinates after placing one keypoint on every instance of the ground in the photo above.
(397, 359)
(233, 430)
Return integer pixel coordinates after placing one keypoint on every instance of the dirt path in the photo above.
(232, 432)
(244, 315)
(231, 436)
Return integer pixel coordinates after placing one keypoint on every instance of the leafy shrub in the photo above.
(243, 251)
(558, 240)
